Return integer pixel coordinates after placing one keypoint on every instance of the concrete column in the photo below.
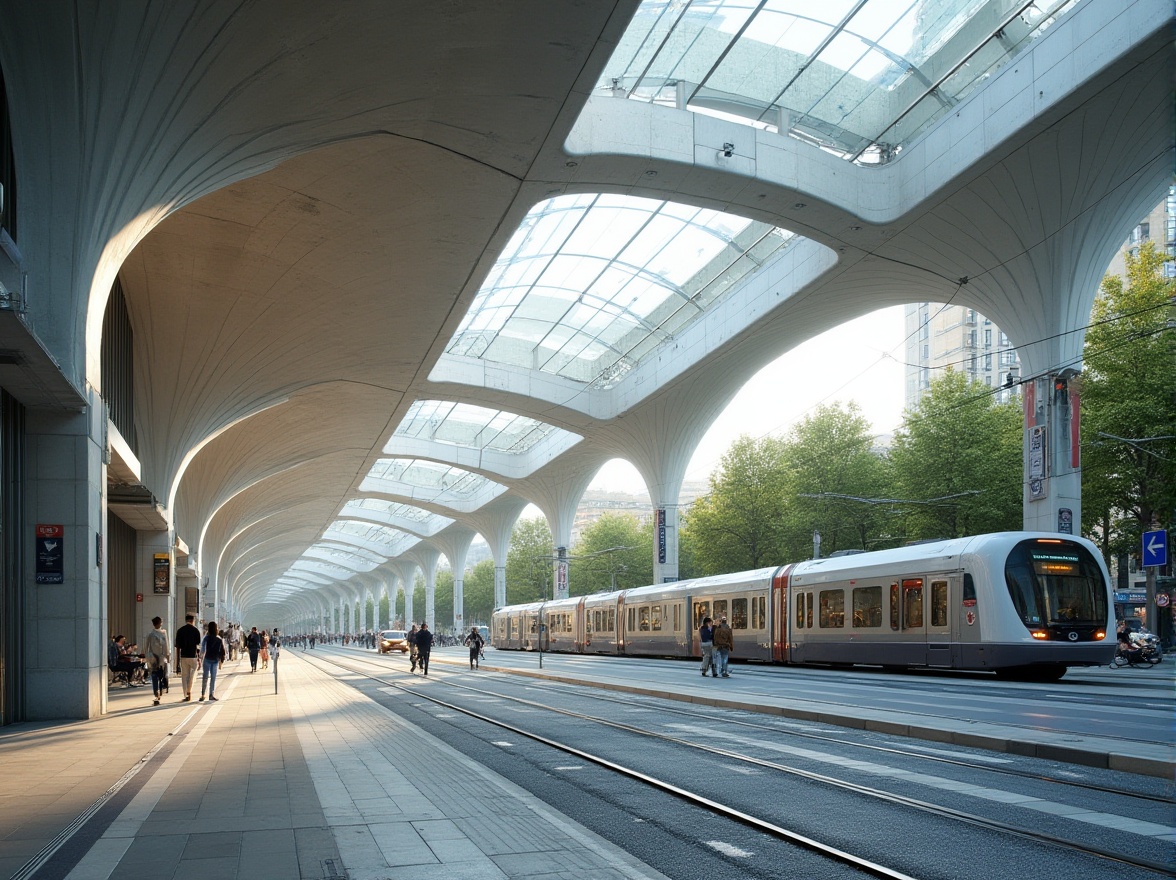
(159, 596)
(455, 542)
(64, 624)
(495, 522)
(1052, 465)
(427, 559)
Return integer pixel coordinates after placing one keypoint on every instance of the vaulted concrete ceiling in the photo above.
(302, 201)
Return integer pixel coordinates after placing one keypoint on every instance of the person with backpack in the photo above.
(156, 652)
(212, 653)
(424, 646)
(475, 642)
(412, 648)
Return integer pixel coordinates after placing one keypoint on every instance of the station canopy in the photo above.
(393, 513)
(859, 78)
(431, 482)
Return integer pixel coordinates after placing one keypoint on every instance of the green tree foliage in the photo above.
(740, 524)
(596, 565)
(528, 562)
(959, 440)
(384, 615)
(1128, 391)
(831, 465)
(478, 588)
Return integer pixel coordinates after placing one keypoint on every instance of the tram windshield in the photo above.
(1056, 583)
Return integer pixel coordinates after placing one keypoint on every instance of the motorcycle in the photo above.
(1146, 652)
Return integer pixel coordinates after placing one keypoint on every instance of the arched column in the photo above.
(455, 544)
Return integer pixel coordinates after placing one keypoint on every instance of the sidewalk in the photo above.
(316, 782)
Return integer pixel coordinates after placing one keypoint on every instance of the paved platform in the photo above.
(319, 782)
(315, 782)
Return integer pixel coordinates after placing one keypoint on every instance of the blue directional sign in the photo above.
(1155, 547)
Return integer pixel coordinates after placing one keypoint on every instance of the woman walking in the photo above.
(265, 640)
(212, 654)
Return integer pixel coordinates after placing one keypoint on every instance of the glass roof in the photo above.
(431, 481)
(591, 284)
(857, 77)
(476, 427)
(392, 513)
(381, 539)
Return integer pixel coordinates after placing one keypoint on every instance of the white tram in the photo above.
(1023, 603)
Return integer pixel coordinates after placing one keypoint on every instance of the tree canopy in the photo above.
(529, 566)
(958, 455)
(616, 549)
(1128, 402)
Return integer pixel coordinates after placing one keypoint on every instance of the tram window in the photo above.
(720, 609)
(677, 617)
(590, 618)
(895, 607)
(739, 614)
(969, 589)
(701, 613)
(832, 604)
(912, 603)
(643, 616)
(655, 618)
(800, 610)
(808, 612)
(867, 606)
(759, 612)
(611, 625)
(632, 620)
(939, 603)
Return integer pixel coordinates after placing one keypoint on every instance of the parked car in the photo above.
(393, 640)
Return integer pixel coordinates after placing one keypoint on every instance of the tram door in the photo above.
(939, 640)
(913, 621)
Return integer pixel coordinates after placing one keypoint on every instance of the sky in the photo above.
(860, 361)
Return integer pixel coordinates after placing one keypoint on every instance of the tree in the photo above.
(1128, 403)
(615, 552)
(830, 454)
(529, 562)
(959, 453)
(478, 588)
(739, 524)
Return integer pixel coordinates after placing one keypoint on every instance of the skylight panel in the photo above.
(839, 74)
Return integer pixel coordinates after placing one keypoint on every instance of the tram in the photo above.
(1022, 604)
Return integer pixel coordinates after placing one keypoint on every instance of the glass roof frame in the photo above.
(821, 72)
(591, 284)
(406, 517)
(441, 421)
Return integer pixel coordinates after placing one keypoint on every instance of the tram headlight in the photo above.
(1100, 635)
(1039, 634)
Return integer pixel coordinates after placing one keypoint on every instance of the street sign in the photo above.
(1155, 548)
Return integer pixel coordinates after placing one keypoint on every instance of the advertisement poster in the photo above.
(162, 574)
(50, 554)
(1037, 463)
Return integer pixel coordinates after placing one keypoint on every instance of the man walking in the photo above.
(412, 648)
(156, 651)
(187, 647)
(424, 644)
(253, 643)
(724, 644)
(706, 641)
(475, 642)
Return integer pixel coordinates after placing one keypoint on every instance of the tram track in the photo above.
(913, 754)
(871, 868)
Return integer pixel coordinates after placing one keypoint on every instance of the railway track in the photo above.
(835, 853)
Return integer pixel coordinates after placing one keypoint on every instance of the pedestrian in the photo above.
(475, 642)
(188, 649)
(156, 652)
(724, 645)
(424, 644)
(265, 640)
(275, 646)
(706, 641)
(212, 650)
(253, 643)
(412, 648)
